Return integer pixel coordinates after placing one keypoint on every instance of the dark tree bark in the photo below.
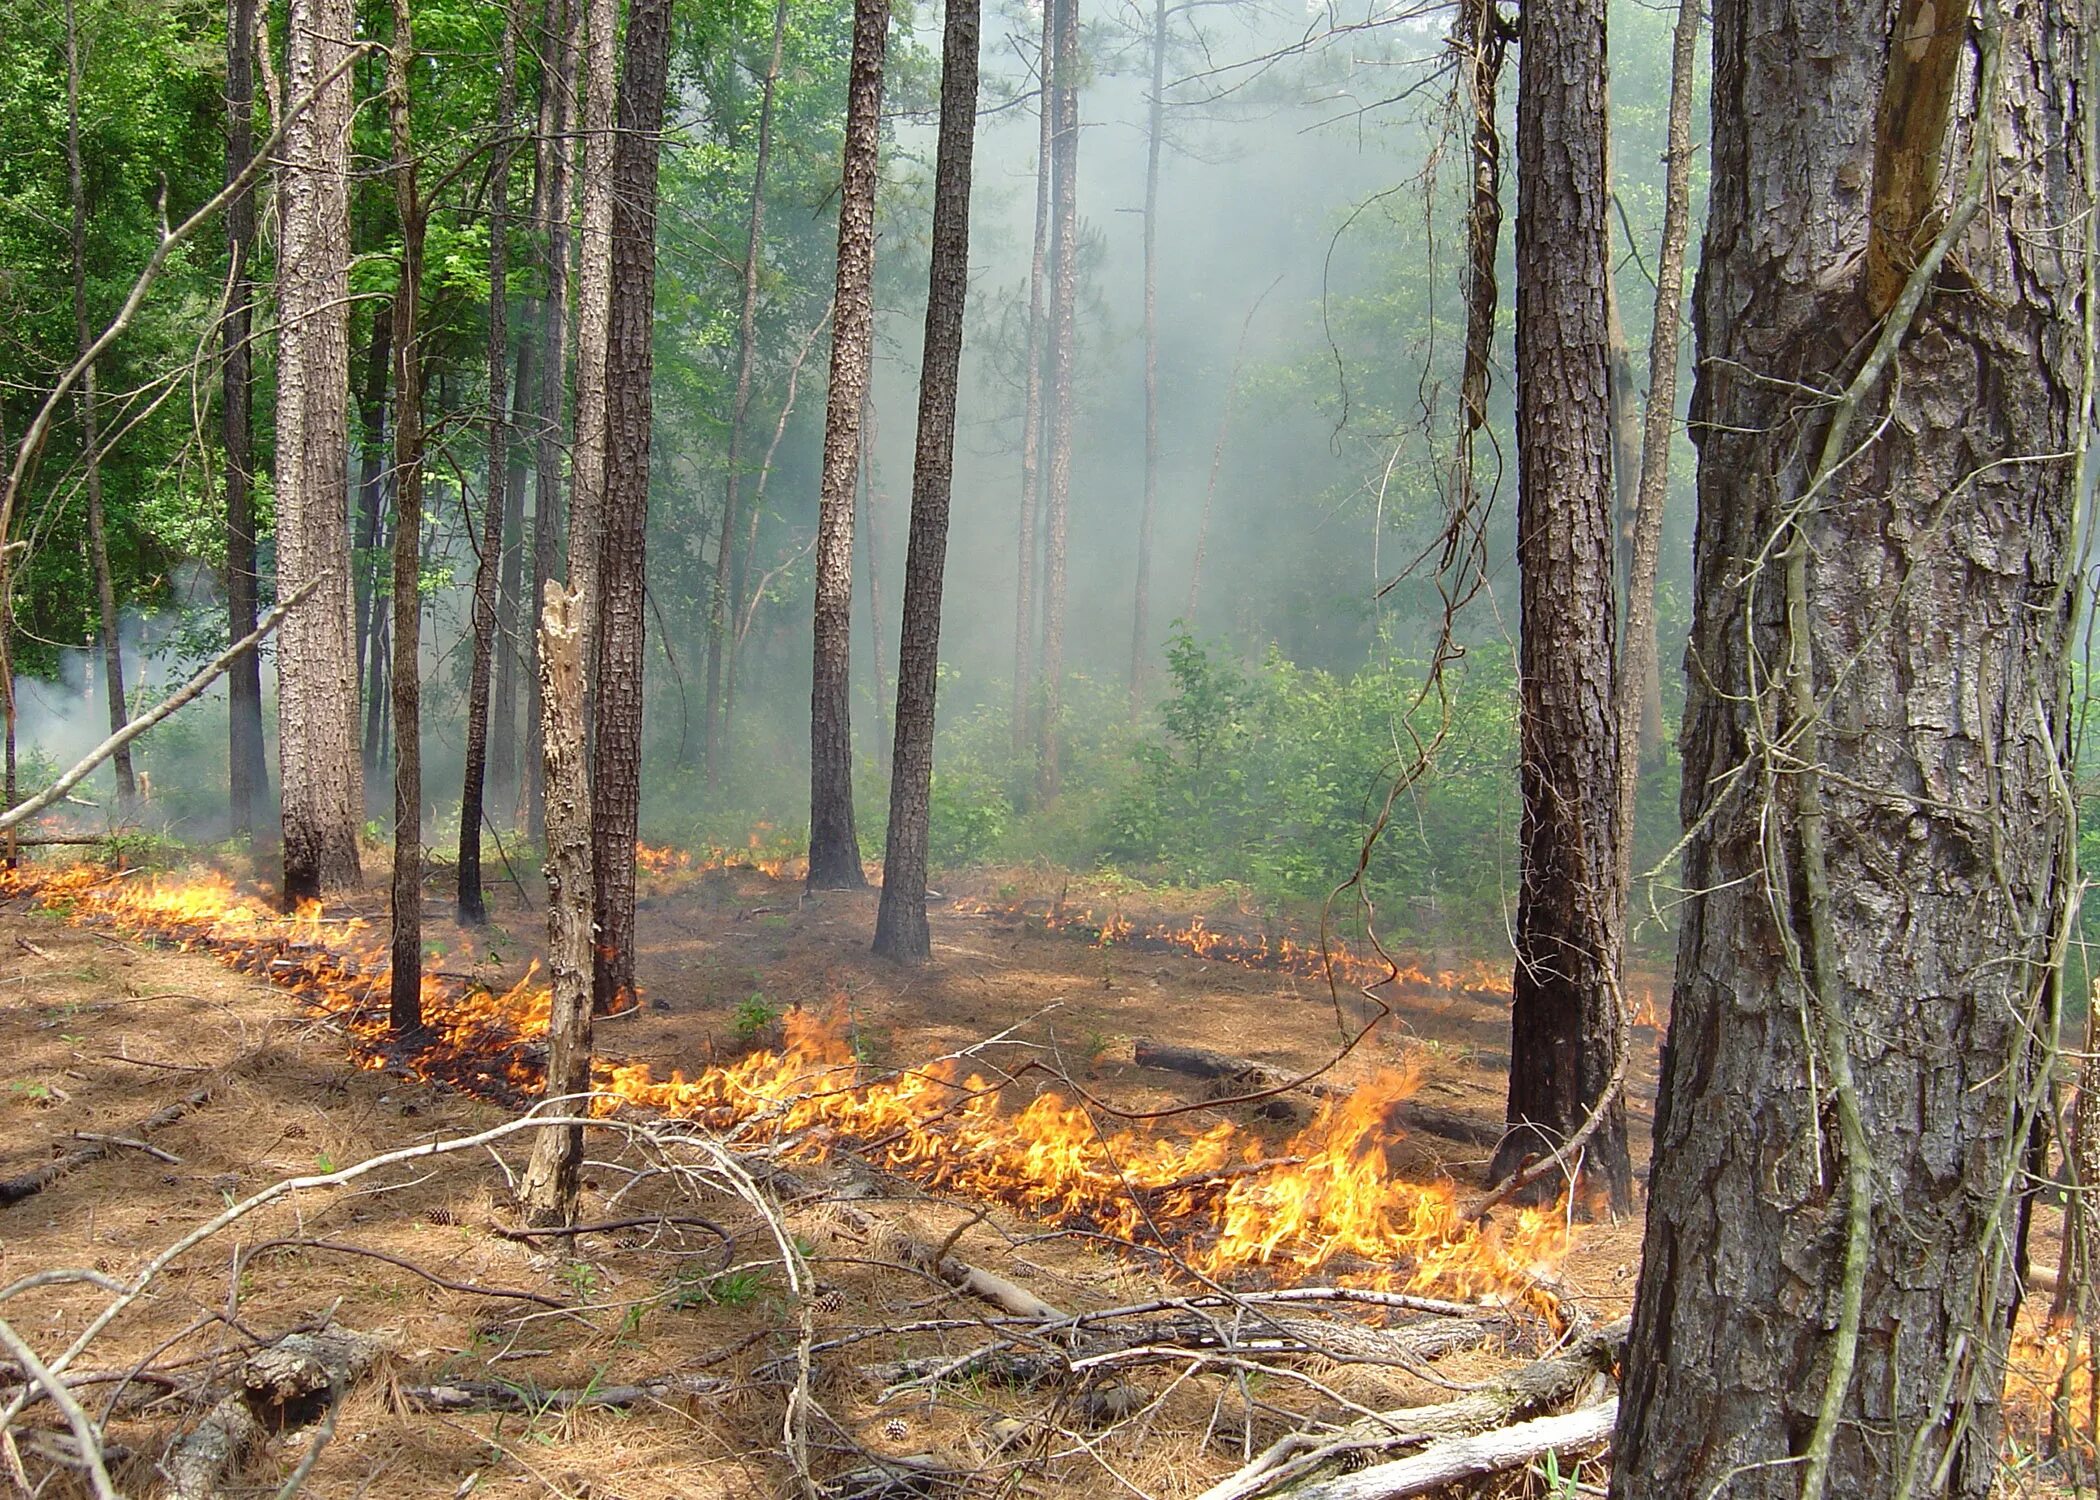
(1029, 562)
(1064, 292)
(90, 436)
(488, 570)
(1155, 138)
(726, 598)
(834, 847)
(616, 758)
(322, 789)
(248, 773)
(1875, 765)
(1564, 1010)
(405, 1010)
(900, 919)
(551, 172)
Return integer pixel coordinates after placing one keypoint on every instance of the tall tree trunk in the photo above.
(549, 1186)
(248, 773)
(1155, 131)
(1029, 561)
(90, 437)
(1640, 682)
(405, 1011)
(616, 747)
(551, 172)
(871, 551)
(1564, 1008)
(593, 311)
(1875, 759)
(900, 919)
(726, 598)
(488, 570)
(512, 610)
(372, 479)
(322, 790)
(1064, 292)
(834, 848)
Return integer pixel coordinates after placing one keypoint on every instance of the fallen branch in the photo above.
(1201, 1062)
(1454, 1459)
(289, 1384)
(494, 1395)
(501, 1293)
(28, 1184)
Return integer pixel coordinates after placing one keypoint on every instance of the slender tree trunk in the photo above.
(1625, 430)
(248, 773)
(1640, 682)
(834, 848)
(900, 919)
(1029, 561)
(1064, 187)
(473, 910)
(372, 482)
(90, 437)
(726, 598)
(405, 1011)
(1155, 131)
(616, 748)
(1880, 842)
(557, 91)
(322, 789)
(511, 608)
(1564, 1009)
(549, 1186)
(593, 311)
(871, 552)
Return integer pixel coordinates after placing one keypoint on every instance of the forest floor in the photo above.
(103, 1029)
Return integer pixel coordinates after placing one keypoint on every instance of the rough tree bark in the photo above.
(551, 169)
(1155, 132)
(488, 570)
(594, 273)
(248, 774)
(1874, 764)
(900, 919)
(726, 597)
(1640, 681)
(1564, 1014)
(322, 789)
(548, 1189)
(834, 847)
(405, 1010)
(1030, 561)
(90, 436)
(1064, 291)
(616, 746)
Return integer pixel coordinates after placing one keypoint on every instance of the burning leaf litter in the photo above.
(1223, 1204)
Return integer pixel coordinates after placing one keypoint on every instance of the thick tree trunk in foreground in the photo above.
(900, 920)
(405, 1012)
(90, 437)
(1029, 561)
(1640, 680)
(549, 1186)
(616, 746)
(551, 170)
(834, 847)
(1874, 772)
(1064, 291)
(489, 567)
(248, 773)
(1564, 1010)
(726, 598)
(322, 789)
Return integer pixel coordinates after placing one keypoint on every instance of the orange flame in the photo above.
(1217, 1202)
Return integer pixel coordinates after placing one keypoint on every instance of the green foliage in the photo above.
(754, 1018)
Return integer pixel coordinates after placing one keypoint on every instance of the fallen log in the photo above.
(1524, 1394)
(495, 1395)
(96, 1146)
(1454, 1459)
(1254, 1077)
(288, 1384)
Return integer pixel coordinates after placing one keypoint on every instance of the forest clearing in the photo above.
(1184, 749)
